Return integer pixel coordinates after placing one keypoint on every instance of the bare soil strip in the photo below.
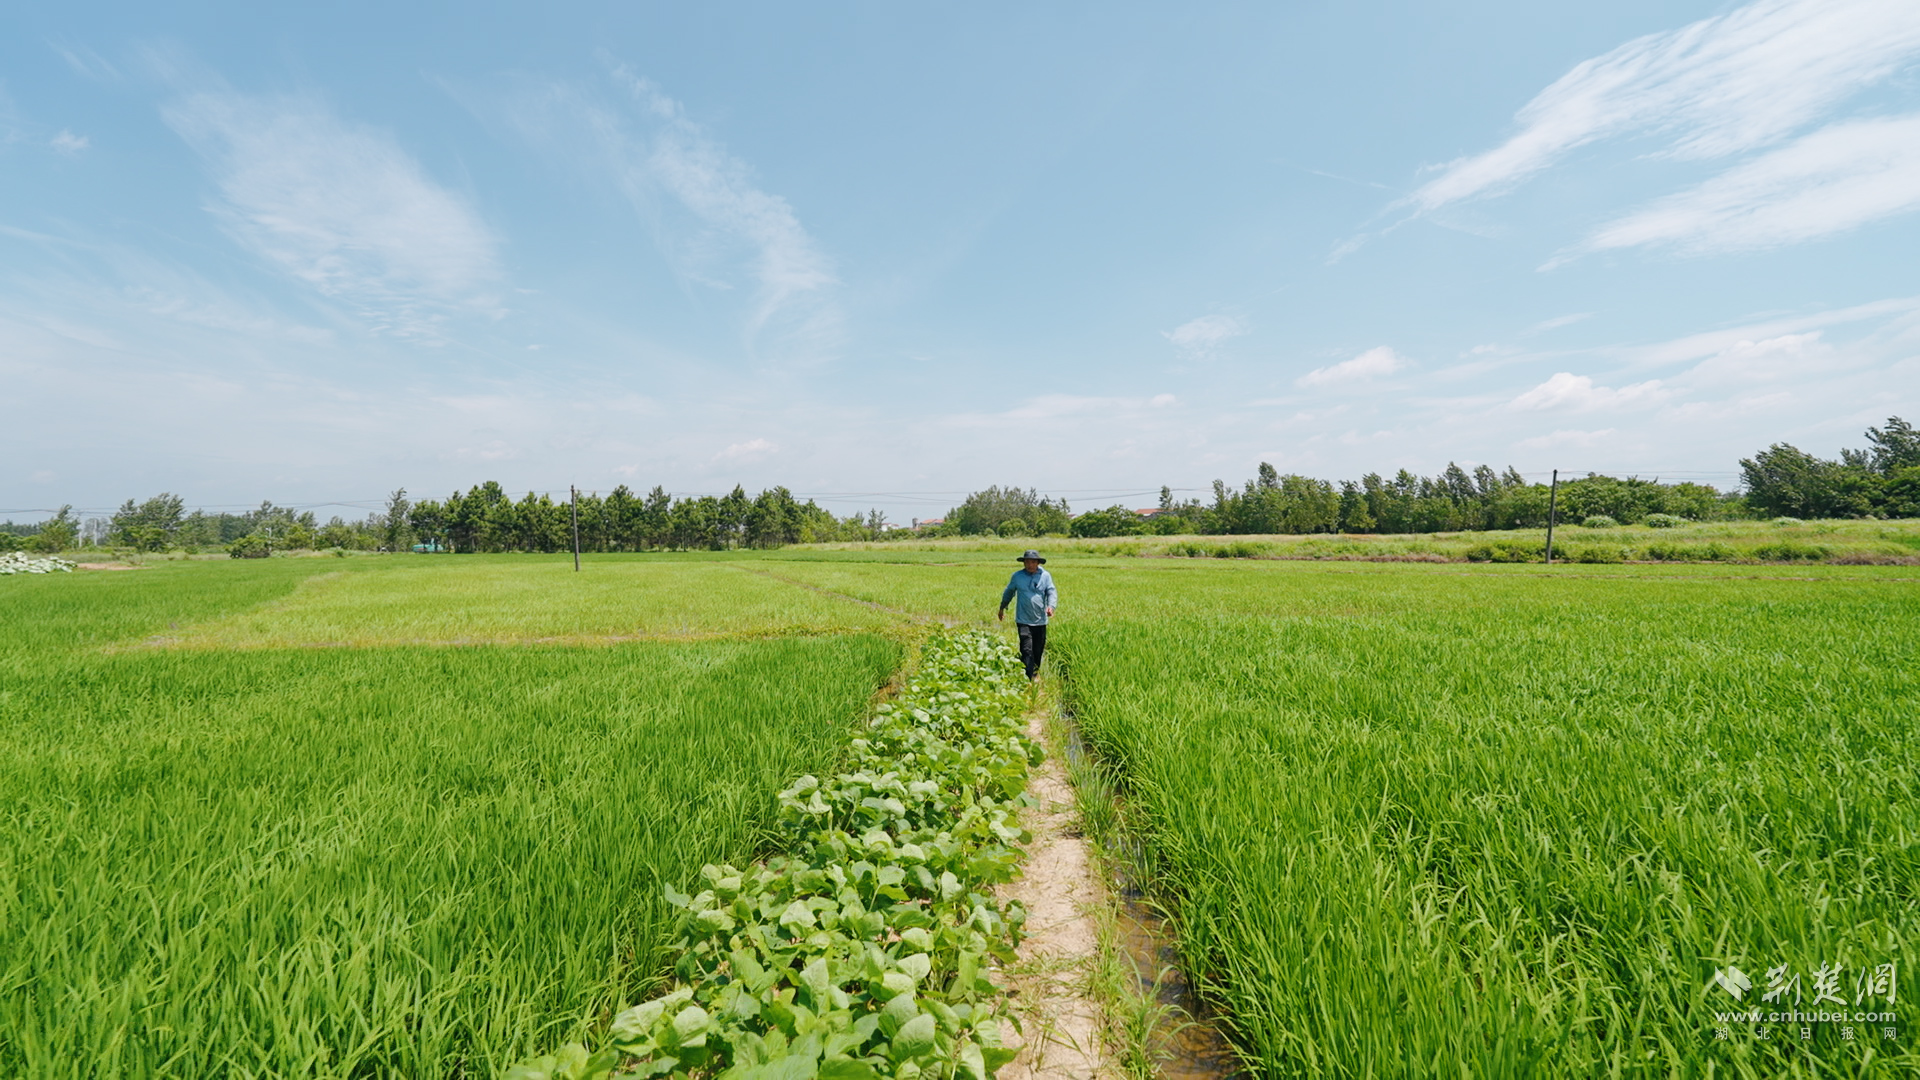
(1065, 1028)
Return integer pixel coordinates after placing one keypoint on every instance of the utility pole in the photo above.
(575, 503)
(1553, 491)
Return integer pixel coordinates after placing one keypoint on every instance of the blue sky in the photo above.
(886, 252)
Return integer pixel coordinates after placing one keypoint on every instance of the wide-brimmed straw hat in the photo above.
(1030, 554)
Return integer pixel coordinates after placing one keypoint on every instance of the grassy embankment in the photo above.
(1414, 818)
(1840, 542)
(232, 856)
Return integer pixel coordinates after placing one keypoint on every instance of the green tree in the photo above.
(984, 512)
(57, 533)
(151, 525)
(395, 533)
(1113, 521)
(1787, 481)
(428, 520)
(1354, 515)
(1895, 447)
(1902, 493)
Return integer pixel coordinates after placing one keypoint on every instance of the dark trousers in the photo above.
(1033, 646)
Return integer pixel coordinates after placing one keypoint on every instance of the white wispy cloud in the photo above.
(1372, 364)
(84, 61)
(1721, 86)
(1579, 393)
(1833, 180)
(1891, 315)
(1581, 439)
(1200, 337)
(1552, 324)
(751, 450)
(343, 208)
(709, 215)
(1069, 408)
(1748, 361)
(68, 143)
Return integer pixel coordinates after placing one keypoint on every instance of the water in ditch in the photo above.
(1184, 1041)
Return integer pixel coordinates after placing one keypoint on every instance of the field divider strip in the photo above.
(915, 616)
(867, 948)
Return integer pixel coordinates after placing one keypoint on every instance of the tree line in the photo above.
(483, 518)
(1453, 501)
(1880, 480)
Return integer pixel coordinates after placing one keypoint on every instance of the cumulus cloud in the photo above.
(341, 207)
(1836, 179)
(1579, 393)
(1720, 86)
(1371, 364)
(1200, 337)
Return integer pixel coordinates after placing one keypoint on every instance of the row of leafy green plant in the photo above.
(863, 950)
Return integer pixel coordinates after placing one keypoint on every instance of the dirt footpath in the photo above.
(1064, 1026)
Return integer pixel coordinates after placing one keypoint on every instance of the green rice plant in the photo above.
(502, 599)
(1516, 827)
(401, 861)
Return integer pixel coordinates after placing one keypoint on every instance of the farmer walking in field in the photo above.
(1033, 587)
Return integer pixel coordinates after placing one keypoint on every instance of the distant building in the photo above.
(928, 523)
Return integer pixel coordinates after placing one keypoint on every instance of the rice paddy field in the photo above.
(1416, 819)
(411, 816)
(236, 858)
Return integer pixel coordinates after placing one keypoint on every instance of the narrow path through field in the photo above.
(1065, 1030)
(850, 598)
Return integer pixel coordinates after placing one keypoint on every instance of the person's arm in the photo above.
(1053, 596)
(1006, 597)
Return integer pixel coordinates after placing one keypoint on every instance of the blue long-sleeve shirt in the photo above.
(1036, 594)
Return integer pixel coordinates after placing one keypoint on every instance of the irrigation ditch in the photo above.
(1159, 1026)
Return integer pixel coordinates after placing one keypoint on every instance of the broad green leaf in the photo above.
(690, 1027)
(919, 964)
(896, 1013)
(915, 1038)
